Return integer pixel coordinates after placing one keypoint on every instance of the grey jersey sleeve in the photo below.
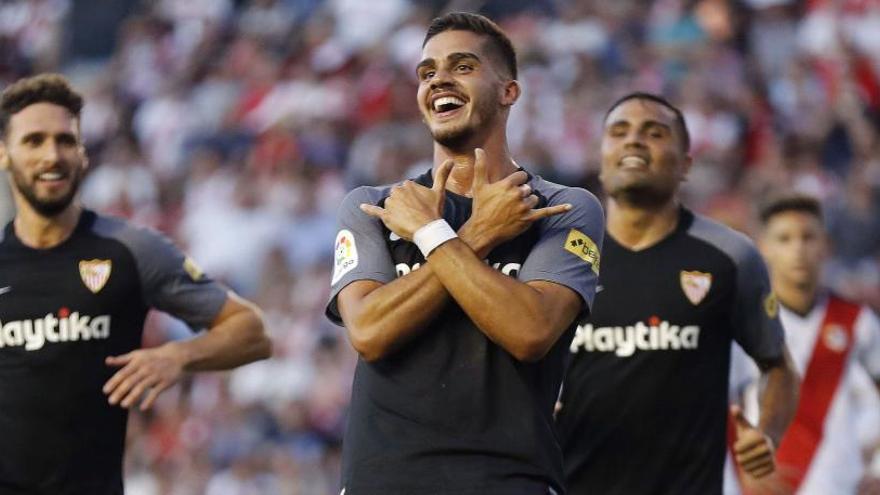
(756, 311)
(568, 249)
(170, 281)
(360, 251)
(755, 318)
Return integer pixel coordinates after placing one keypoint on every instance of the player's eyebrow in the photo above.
(452, 58)
(654, 123)
(459, 56)
(645, 125)
(65, 137)
(428, 62)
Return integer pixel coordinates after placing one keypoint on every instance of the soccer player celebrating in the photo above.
(829, 339)
(460, 290)
(644, 404)
(75, 288)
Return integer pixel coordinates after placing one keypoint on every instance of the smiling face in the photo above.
(44, 156)
(463, 92)
(643, 158)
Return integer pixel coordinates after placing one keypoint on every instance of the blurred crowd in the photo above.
(237, 126)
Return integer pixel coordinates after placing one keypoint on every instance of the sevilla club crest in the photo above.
(695, 285)
(95, 273)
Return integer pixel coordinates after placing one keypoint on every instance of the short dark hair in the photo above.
(476, 23)
(679, 117)
(48, 88)
(791, 201)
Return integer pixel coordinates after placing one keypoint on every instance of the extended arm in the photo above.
(236, 337)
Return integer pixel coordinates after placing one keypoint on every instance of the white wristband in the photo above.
(435, 233)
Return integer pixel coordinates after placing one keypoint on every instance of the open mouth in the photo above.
(53, 177)
(447, 105)
(632, 161)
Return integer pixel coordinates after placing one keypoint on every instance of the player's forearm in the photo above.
(779, 398)
(237, 339)
(508, 311)
(394, 313)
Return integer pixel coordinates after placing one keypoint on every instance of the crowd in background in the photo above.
(237, 126)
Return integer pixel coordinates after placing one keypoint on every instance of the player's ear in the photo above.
(686, 166)
(84, 156)
(761, 242)
(510, 93)
(4, 156)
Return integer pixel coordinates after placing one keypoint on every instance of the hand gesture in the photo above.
(753, 449)
(504, 209)
(411, 206)
(149, 371)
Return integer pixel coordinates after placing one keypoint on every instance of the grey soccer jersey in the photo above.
(452, 412)
(63, 311)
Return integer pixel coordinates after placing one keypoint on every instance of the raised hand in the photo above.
(753, 449)
(411, 206)
(504, 209)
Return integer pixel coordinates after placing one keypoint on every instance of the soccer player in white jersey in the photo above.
(829, 338)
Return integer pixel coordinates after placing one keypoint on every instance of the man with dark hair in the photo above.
(460, 290)
(644, 405)
(75, 287)
(498, 44)
(833, 343)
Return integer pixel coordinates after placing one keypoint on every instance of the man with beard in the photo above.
(75, 287)
(644, 404)
(460, 290)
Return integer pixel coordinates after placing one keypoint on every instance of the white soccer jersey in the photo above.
(837, 464)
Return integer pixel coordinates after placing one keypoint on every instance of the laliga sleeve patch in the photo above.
(771, 305)
(192, 269)
(345, 255)
(580, 245)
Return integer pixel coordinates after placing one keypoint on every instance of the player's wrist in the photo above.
(181, 354)
(476, 239)
(432, 235)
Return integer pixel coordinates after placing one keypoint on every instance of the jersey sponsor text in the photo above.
(33, 334)
(509, 269)
(624, 341)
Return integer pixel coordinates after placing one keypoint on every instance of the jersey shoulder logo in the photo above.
(345, 255)
(580, 245)
(771, 305)
(95, 273)
(695, 285)
(192, 269)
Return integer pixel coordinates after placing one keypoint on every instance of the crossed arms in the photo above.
(525, 319)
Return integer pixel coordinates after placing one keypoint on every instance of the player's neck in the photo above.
(499, 164)
(40, 232)
(799, 299)
(639, 228)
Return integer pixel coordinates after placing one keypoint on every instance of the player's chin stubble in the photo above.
(461, 135)
(46, 208)
(643, 195)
